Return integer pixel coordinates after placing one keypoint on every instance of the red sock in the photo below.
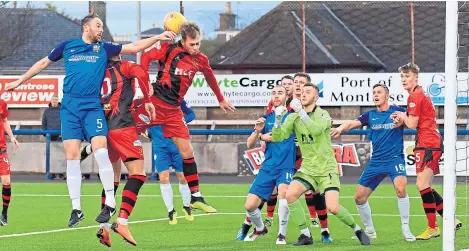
(130, 195)
(271, 203)
(429, 206)
(311, 206)
(189, 167)
(6, 197)
(320, 202)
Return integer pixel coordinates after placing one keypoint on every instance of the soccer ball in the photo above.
(173, 21)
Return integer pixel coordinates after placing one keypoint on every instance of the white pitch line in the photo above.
(205, 196)
(87, 227)
(161, 219)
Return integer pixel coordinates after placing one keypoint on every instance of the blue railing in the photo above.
(48, 134)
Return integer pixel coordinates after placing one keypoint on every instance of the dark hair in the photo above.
(189, 29)
(87, 19)
(381, 85)
(409, 67)
(311, 85)
(286, 77)
(303, 74)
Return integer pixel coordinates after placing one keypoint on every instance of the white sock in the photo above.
(256, 218)
(197, 194)
(283, 213)
(306, 232)
(167, 193)
(107, 226)
(122, 221)
(106, 174)
(74, 182)
(88, 149)
(365, 213)
(185, 194)
(404, 207)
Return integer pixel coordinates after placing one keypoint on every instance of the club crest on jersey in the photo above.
(107, 107)
(181, 72)
(96, 48)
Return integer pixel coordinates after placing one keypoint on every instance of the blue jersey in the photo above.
(278, 155)
(387, 141)
(156, 131)
(85, 65)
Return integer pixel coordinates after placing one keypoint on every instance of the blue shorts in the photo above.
(267, 180)
(82, 118)
(167, 156)
(376, 171)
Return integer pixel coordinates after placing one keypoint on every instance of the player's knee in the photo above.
(334, 209)
(164, 177)
(401, 192)
(422, 184)
(250, 206)
(360, 199)
(291, 198)
(6, 180)
(186, 151)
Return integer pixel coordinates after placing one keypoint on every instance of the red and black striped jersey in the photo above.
(118, 92)
(176, 70)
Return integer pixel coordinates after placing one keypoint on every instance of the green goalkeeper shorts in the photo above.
(323, 183)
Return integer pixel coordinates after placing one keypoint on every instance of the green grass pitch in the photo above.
(39, 214)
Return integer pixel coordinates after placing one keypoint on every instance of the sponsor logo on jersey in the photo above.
(182, 72)
(137, 143)
(144, 118)
(412, 105)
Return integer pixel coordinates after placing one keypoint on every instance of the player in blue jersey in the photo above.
(166, 155)
(82, 114)
(277, 171)
(387, 138)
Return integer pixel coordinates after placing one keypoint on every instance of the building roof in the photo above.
(152, 31)
(385, 28)
(49, 29)
(363, 34)
(276, 40)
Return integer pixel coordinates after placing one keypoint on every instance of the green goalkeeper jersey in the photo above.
(314, 140)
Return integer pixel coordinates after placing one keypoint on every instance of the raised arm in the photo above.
(143, 44)
(362, 120)
(258, 129)
(284, 131)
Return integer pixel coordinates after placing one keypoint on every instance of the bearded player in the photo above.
(178, 64)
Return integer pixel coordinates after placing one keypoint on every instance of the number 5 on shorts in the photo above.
(7, 161)
(99, 122)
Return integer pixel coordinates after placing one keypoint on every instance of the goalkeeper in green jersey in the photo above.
(312, 125)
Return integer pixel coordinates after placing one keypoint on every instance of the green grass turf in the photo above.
(33, 211)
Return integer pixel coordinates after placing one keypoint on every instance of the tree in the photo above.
(17, 28)
(54, 8)
(209, 47)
